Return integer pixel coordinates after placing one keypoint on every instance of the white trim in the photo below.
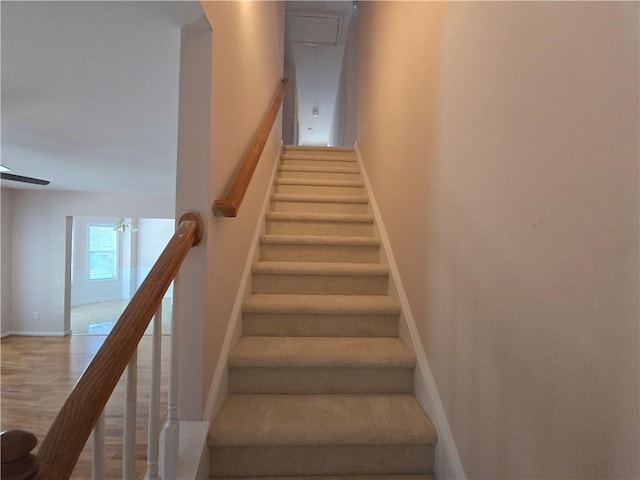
(219, 387)
(6, 334)
(21, 333)
(425, 387)
(193, 451)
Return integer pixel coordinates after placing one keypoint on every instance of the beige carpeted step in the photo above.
(340, 204)
(318, 160)
(319, 155)
(315, 186)
(320, 365)
(319, 172)
(334, 224)
(258, 435)
(312, 148)
(315, 352)
(320, 315)
(319, 278)
(336, 477)
(315, 248)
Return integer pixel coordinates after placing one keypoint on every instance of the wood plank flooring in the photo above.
(37, 374)
(100, 317)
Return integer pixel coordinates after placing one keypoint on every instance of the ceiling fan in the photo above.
(5, 175)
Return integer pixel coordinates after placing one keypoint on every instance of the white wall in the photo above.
(38, 248)
(152, 236)
(6, 215)
(290, 107)
(343, 126)
(502, 142)
(192, 193)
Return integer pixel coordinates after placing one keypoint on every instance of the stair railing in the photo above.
(83, 410)
(230, 204)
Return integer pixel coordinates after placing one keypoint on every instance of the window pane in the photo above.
(103, 257)
(101, 238)
(101, 265)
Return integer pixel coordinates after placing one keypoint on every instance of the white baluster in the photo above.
(154, 399)
(171, 429)
(129, 436)
(97, 460)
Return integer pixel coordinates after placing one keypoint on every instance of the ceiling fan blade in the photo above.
(20, 178)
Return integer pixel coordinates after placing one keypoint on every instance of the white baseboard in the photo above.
(219, 384)
(6, 334)
(22, 333)
(448, 463)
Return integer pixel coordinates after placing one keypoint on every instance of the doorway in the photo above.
(110, 257)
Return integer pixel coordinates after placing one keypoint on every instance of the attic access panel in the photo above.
(313, 29)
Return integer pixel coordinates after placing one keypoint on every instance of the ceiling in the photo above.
(90, 93)
(315, 39)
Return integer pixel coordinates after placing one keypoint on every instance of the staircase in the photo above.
(319, 383)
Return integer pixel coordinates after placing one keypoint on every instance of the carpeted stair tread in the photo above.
(321, 420)
(336, 477)
(320, 304)
(296, 197)
(302, 352)
(342, 157)
(328, 240)
(311, 148)
(319, 268)
(319, 217)
(318, 169)
(319, 182)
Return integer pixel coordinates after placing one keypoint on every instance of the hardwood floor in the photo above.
(100, 317)
(37, 374)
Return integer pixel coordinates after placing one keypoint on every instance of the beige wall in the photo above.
(502, 143)
(247, 63)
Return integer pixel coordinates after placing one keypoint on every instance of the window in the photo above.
(103, 252)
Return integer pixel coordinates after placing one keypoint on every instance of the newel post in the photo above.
(15, 451)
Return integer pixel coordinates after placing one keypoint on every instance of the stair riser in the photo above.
(338, 229)
(319, 325)
(321, 460)
(320, 253)
(320, 284)
(320, 380)
(349, 156)
(314, 148)
(352, 177)
(310, 162)
(319, 189)
(319, 207)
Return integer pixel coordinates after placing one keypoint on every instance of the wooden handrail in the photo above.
(230, 204)
(70, 430)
